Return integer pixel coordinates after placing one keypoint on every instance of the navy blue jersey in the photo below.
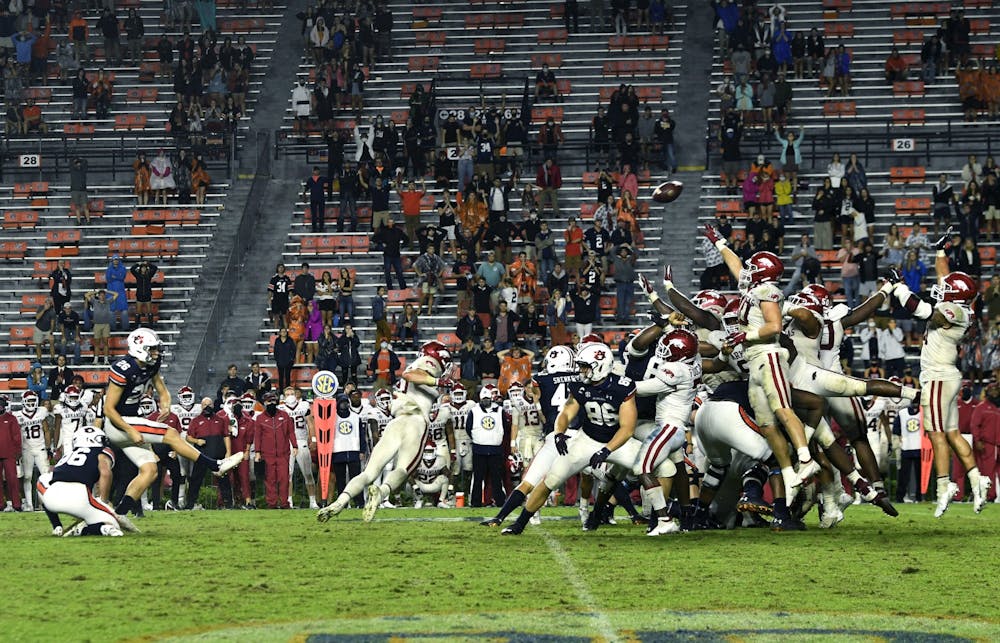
(553, 391)
(599, 405)
(127, 373)
(736, 391)
(81, 466)
(639, 368)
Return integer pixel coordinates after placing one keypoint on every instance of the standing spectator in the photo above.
(232, 383)
(114, 277)
(730, 134)
(890, 348)
(301, 107)
(823, 213)
(849, 272)
(410, 199)
(144, 272)
(867, 261)
(514, 367)
(10, 455)
(392, 238)
(60, 377)
(598, 241)
(78, 31)
(349, 347)
(141, 179)
(624, 275)
(545, 251)
(45, 323)
(315, 189)
(345, 301)
(327, 358)
(326, 289)
(349, 186)
(585, 306)
(69, 326)
(407, 326)
(284, 351)
(61, 284)
(463, 271)
(274, 442)
(277, 293)
(209, 432)
(108, 23)
(482, 300)
(380, 204)
(663, 134)
(966, 258)
(383, 366)
(550, 137)
(430, 273)
(81, 91)
(470, 326)
(573, 236)
(379, 315)
(134, 31)
(488, 363)
(78, 189)
(549, 180)
(257, 381)
(162, 178)
(943, 198)
(503, 327)
(304, 284)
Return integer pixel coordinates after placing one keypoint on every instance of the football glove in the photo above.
(712, 234)
(944, 243)
(598, 458)
(445, 382)
(647, 289)
(561, 447)
(736, 338)
(668, 278)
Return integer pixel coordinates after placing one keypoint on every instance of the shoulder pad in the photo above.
(767, 292)
(838, 312)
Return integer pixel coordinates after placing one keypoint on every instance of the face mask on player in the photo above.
(147, 406)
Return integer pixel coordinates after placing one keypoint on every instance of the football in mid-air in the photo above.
(667, 192)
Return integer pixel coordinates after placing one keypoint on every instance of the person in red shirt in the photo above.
(10, 451)
(985, 425)
(210, 433)
(549, 180)
(409, 200)
(274, 440)
(574, 246)
(967, 403)
(243, 412)
(166, 461)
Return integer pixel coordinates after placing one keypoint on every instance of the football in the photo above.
(667, 192)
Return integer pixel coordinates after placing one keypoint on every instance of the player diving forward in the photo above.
(403, 440)
(940, 380)
(68, 489)
(607, 422)
(760, 325)
(129, 377)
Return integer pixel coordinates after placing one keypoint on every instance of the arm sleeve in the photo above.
(917, 307)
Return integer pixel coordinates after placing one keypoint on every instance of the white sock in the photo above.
(386, 491)
(342, 500)
(584, 502)
(312, 499)
(804, 455)
(974, 478)
(787, 473)
(854, 476)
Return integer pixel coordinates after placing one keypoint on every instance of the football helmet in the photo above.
(459, 394)
(762, 267)
(29, 401)
(71, 397)
(679, 345)
(147, 406)
(142, 343)
(383, 399)
(516, 392)
(591, 338)
(810, 302)
(595, 362)
(515, 463)
(731, 317)
(711, 300)
(957, 287)
(429, 455)
(558, 359)
(89, 436)
(436, 351)
(185, 395)
(819, 292)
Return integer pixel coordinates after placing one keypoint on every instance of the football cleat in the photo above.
(664, 526)
(75, 530)
(513, 530)
(27, 507)
(169, 506)
(831, 518)
(443, 504)
(323, 514)
(536, 519)
(126, 523)
(787, 524)
(491, 522)
(111, 530)
(418, 503)
(372, 502)
(979, 494)
(226, 464)
(57, 531)
(593, 521)
(754, 505)
(882, 502)
(844, 500)
(944, 499)
(313, 505)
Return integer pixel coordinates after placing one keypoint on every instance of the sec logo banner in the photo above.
(325, 384)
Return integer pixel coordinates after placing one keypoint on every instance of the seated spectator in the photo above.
(854, 174)
(545, 84)
(101, 90)
(895, 67)
(31, 117)
(14, 124)
(407, 326)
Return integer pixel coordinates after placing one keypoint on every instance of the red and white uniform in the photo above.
(416, 399)
(431, 474)
(528, 417)
(675, 385)
(463, 443)
(34, 454)
(299, 412)
(940, 379)
(184, 415)
(437, 429)
(71, 418)
(767, 361)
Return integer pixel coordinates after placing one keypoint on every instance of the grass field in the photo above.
(437, 576)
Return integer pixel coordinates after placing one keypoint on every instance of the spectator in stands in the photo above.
(326, 350)
(663, 134)
(548, 180)
(140, 180)
(108, 24)
(624, 275)
(43, 331)
(823, 207)
(61, 284)
(31, 119)
(545, 84)
(470, 327)
(60, 376)
(931, 59)
(391, 239)
(162, 178)
(78, 35)
(301, 107)
(463, 270)
(600, 128)
(972, 170)
(867, 260)
(730, 133)
(304, 284)
(503, 327)
(99, 301)
(144, 273)
(380, 316)
(966, 258)
(38, 382)
(200, 180)
(69, 332)
(345, 299)
(598, 241)
(545, 250)
(989, 206)
(430, 274)
(278, 289)
(315, 191)
(895, 67)
(726, 14)
(410, 199)
(741, 62)
(285, 352)
(134, 31)
(524, 276)
(585, 310)
(349, 349)
(257, 381)
(943, 199)
(835, 170)
(550, 137)
(482, 300)
(863, 213)
(114, 277)
(407, 326)
(893, 247)
(991, 298)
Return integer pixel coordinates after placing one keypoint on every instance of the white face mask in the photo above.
(290, 400)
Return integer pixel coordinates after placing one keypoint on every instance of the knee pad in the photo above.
(666, 469)
(759, 473)
(714, 476)
(824, 434)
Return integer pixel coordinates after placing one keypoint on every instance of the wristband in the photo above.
(668, 285)
(753, 335)
(314, 438)
(653, 297)
(940, 253)
(720, 244)
(887, 288)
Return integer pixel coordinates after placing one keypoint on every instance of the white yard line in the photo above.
(601, 622)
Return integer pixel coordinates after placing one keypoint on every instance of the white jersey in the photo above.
(807, 348)
(438, 427)
(428, 472)
(675, 385)
(751, 318)
(414, 399)
(71, 419)
(737, 359)
(32, 435)
(382, 420)
(529, 418)
(940, 350)
(185, 414)
(298, 413)
(830, 339)
(458, 413)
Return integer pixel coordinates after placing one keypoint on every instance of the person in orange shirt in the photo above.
(574, 246)
(410, 202)
(895, 67)
(297, 315)
(626, 212)
(78, 34)
(991, 91)
(525, 277)
(968, 90)
(472, 214)
(200, 180)
(32, 118)
(515, 366)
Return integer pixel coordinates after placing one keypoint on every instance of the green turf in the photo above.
(282, 575)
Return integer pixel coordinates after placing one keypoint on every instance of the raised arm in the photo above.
(732, 260)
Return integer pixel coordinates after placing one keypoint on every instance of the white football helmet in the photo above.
(147, 406)
(558, 359)
(459, 394)
(516, 393)
(429, 455)
(29, 401)
(89, 436)
(185, 395)
(71, 397)
(383, 400)
(142, 343)
(595, 362)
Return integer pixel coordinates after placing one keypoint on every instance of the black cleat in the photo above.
(754, 505)
(593, 521)
(491, 522)
(513, 530)
(637, 519)
(787, 524)
(882, 502)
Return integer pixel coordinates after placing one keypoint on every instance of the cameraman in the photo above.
(430, 272)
